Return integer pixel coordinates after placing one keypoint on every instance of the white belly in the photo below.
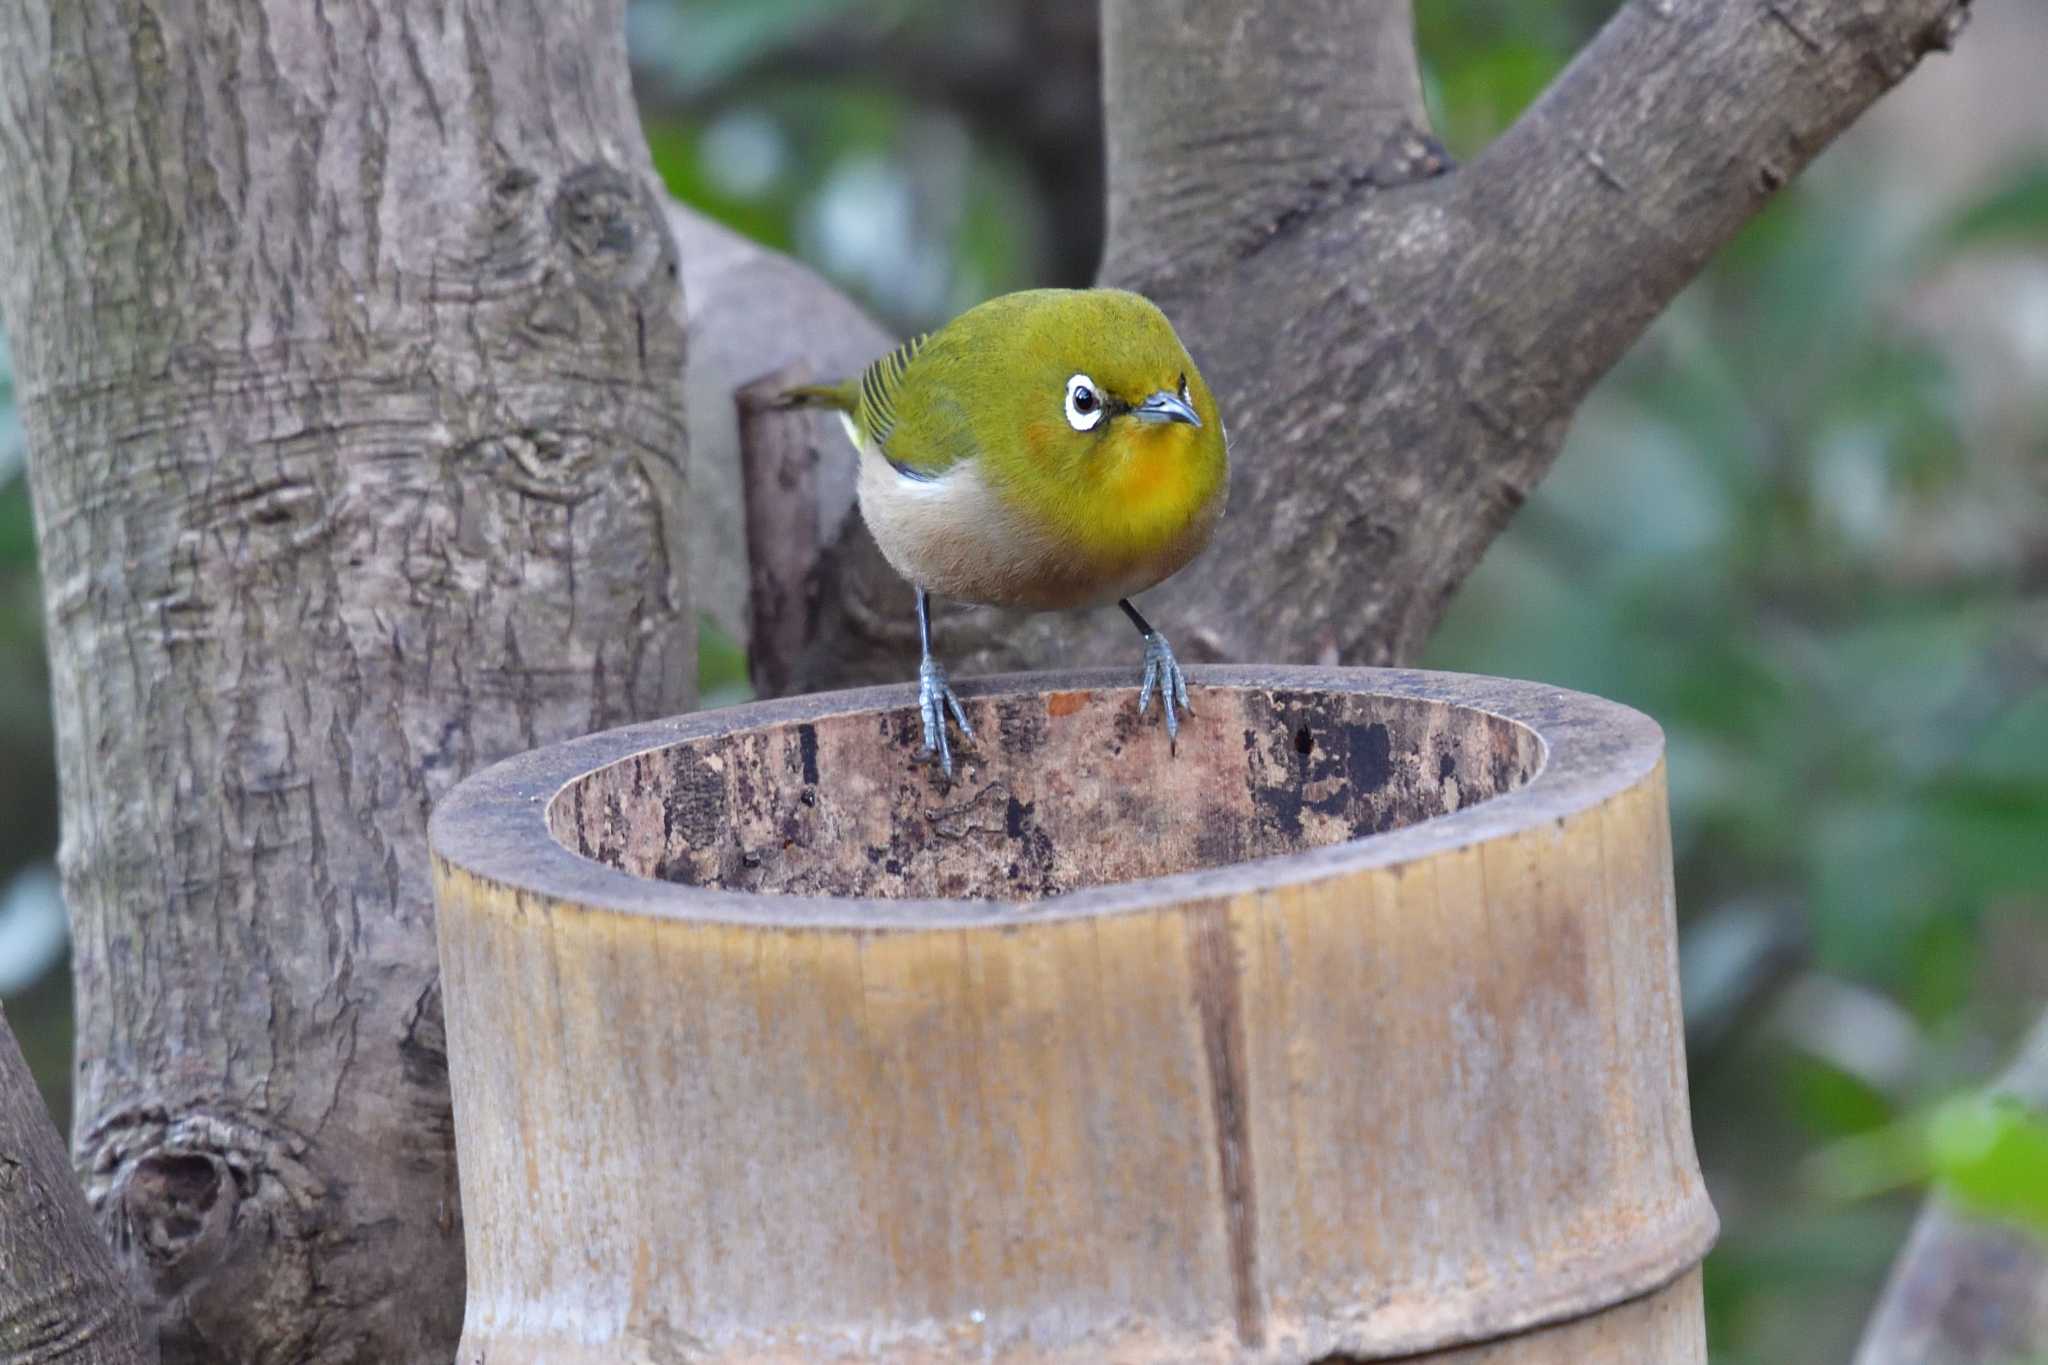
(956, 537)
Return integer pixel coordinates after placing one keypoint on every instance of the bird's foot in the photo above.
(935, 697)
(1162, 672)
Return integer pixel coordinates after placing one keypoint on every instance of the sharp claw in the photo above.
(934, 697)
(1163, 672)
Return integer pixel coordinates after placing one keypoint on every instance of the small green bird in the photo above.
(1048, 449)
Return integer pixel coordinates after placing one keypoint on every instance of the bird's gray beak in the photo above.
(1166, 407)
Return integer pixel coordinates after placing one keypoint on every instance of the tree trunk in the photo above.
(349, 339)
(61, 1301)
(1397, 347)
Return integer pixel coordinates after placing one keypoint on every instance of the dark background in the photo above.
(1804, 525)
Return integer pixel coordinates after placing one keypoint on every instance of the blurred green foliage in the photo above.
(1781, 529)
(39, 1013)
(699, 46)
(1788, 527)
(1987, 1152)
(2016, 213)
(1721, 547)
(1991, 1156)
(896, 204)
(789, 122)
(721, 667)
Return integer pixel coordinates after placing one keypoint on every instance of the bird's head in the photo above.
(1112, 410)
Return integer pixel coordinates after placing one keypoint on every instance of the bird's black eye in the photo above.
(1084, 403)
(1183, 387)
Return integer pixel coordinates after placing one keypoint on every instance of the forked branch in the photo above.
(1400, 348)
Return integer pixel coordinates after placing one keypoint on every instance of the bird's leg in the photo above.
(934, 694)
(1162, 671)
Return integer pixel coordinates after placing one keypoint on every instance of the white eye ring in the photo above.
(1084, 403)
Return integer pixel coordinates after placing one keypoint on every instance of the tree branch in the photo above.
(1966, 1290)
(1666, 134)
(1398, 352)
(778, 482)
(61, 1300)
(1228, 122)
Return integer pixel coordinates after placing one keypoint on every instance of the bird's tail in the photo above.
(839, 397)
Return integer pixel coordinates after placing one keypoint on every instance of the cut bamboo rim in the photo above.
(1291, 1094)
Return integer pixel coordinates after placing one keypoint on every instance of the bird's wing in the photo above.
(881, 384)
(908, 412)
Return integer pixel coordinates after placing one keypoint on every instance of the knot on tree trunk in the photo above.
(1407, 155)
(611, 224)
(212, 1216)
(177, 1207)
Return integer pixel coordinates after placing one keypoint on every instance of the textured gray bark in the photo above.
(348, 337)
(61, 1300)
(1228, 123)
(1398, 347)
(1967, 1290)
